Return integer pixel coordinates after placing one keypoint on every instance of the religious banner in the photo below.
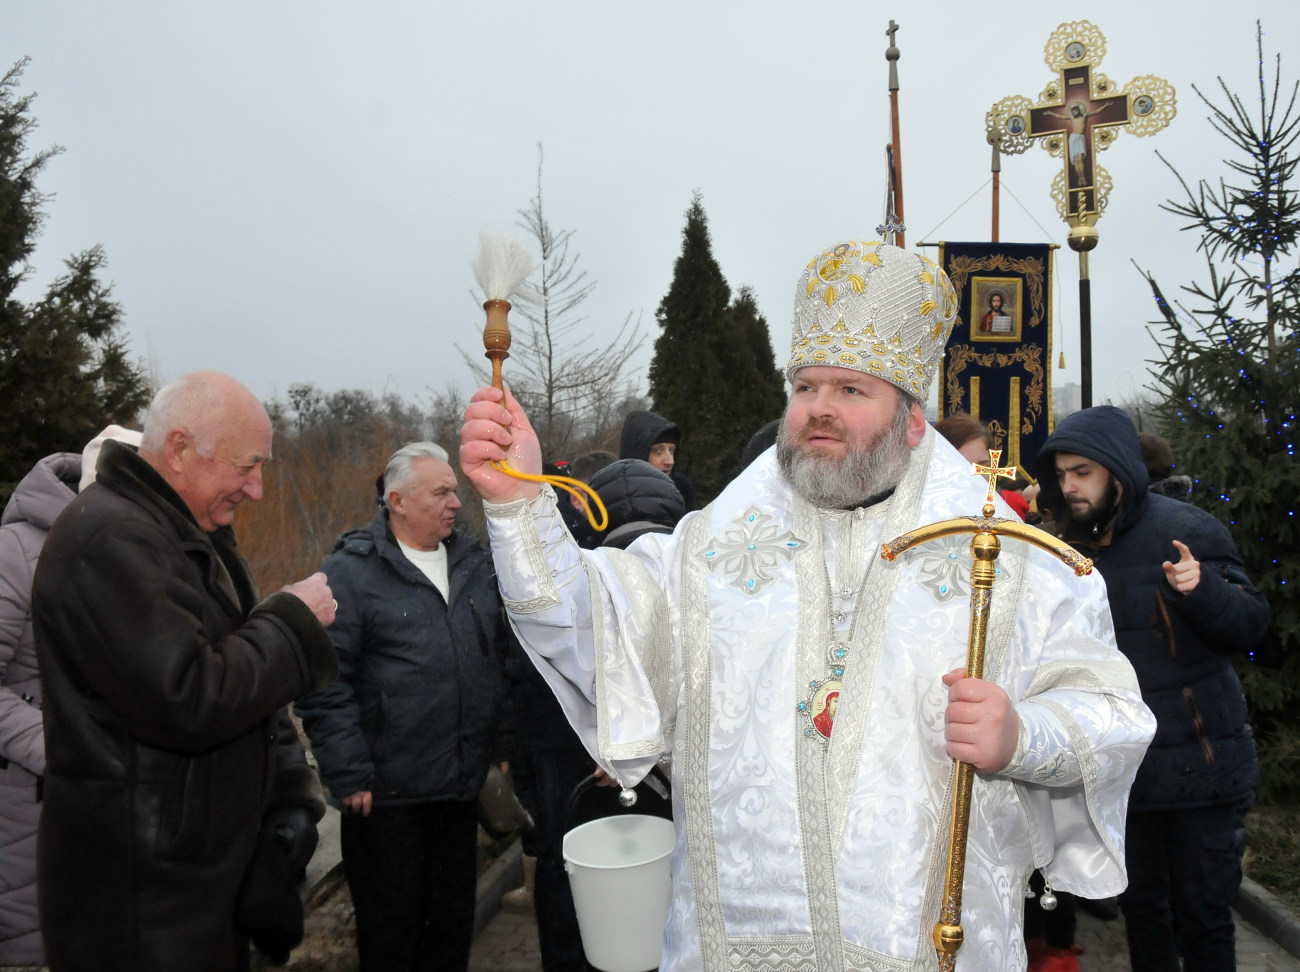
(996, 366)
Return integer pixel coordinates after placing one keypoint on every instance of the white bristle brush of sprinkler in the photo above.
(500, 269)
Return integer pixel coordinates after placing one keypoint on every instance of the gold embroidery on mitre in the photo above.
(897, 304)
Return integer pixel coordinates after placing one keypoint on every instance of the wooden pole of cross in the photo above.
(894, 215)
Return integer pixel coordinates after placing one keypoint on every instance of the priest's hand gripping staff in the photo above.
(500, 269)
(985, 548)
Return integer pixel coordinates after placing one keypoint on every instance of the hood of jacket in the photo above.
(42, 494)
(1104, 434)
(635, 491)
(641, 430)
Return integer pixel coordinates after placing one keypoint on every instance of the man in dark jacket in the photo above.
(639, 499)
(1183, 605)
(653, 439)
(169, 755)
(404, 736)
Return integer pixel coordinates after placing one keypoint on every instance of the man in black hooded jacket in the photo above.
(653, 439)
(1183, 604)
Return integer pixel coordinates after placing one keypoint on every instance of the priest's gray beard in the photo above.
(867, 469)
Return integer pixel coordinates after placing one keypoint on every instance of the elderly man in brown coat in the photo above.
(167, 747)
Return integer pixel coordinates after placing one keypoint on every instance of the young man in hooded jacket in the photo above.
(1183, 604)
(653, 439)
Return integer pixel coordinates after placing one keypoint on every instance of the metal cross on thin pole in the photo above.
(1080, 113)
(894, 216)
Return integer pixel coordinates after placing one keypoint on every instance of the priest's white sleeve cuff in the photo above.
(1045, 752)
(533, 552)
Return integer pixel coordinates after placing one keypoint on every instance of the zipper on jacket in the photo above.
(478, 629)
(1206, 749)
(1169, 627)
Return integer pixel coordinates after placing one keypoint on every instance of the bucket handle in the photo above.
(652, 780)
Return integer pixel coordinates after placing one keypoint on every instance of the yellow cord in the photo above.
(574, 487)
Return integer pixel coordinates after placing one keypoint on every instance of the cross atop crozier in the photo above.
(992, 472)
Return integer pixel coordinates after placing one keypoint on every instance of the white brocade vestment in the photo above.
(794, 852)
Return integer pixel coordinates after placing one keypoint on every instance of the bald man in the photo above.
(168, 746)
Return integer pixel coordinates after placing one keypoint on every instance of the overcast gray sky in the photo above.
(294, 191)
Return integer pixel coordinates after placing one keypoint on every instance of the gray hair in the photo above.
(188, 403)
(401, 464)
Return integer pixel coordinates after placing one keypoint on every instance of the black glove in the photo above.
(268, 909)
(295, 831)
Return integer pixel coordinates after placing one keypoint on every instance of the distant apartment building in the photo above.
(1066, 399)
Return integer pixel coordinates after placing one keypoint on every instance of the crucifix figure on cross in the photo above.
(1080, 117)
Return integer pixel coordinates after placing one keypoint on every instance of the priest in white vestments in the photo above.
(810, 695)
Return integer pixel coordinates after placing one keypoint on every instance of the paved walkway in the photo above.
(508, 943)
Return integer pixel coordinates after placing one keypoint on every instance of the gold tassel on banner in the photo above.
(1061, 363)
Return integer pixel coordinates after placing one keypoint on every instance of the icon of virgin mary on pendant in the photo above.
(820, 706)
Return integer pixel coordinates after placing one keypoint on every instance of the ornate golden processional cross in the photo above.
(1080, 113)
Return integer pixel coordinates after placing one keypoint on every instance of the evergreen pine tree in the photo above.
(757, 391)
(1228, 385)
(64, 368)
(713, 372)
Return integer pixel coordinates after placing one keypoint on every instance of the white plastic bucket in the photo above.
(619, 871)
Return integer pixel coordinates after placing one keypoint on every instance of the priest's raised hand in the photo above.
(497, 430)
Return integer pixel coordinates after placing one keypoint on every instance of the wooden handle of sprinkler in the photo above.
(948, 934)
(496, 336)
(496, 339)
